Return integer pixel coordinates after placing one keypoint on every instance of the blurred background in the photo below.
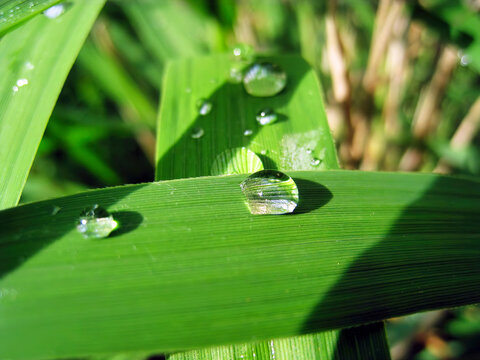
(401, 82)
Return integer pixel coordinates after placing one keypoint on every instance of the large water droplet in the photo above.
(243, 52)
(236, 161)
(96, 223)
(266, 116)
(197, 133)
(264, 79)
(270, 192)
(204, 106)
(57, 10)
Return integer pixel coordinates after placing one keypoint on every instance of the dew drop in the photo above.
(236, 161)
(266, 116)
(243, 53)
(22, 82)
(270, 192)
(57, 10)
(309, 151)
(264, 79)
(197, 133)
(29, 66)
(96, 223)
(248, 132)
(204, 106)
(465, 60)
(315, 162)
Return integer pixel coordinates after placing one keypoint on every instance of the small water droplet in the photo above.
(248, 132)
(236, 161)
(57, 10)
(465, 60)
(309, 151)
(22, 82)
(197, 133)
(55, 210)
(204, 106)
(315, 162)
(15, 88)
(270, 192)
(96, 223)
(266, 116)
(243, 53)
(264, 79)
(263, 152)
(29, 66)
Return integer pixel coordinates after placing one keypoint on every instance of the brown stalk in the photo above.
(426, 114)
(384, 22)
(464, 135)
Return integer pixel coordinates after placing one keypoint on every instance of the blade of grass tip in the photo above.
(292, 143)
(15, 12)
(190, 267)
(31, 85)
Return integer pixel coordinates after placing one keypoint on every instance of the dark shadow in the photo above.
(267, 162)
(233, 112)
(27, 229)
(312, 196)
(157, 357)
(127, 221)
(433, 245)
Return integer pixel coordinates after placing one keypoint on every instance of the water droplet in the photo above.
(248, 132)
(15, 88)
(197, 133)
(266, 116)
(243, 52)
(309, 151)
(235, 76)
(22, 82)
(96, 223)
(270, 192)
(29, 66)
(315, 162)
(55, 209)
(204, 106)
(57, 10)
(263, 152)
(264, 79)
(236, 161)
(465, 60)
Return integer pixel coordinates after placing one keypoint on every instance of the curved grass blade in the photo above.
(15, 12)
(38, 57)
(191, 267)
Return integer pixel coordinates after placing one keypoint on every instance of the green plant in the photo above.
(189, 266)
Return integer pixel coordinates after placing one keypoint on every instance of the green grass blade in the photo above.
(42, 53)
(191, 267)
(363, 342)
(302, 124)
(14, 12)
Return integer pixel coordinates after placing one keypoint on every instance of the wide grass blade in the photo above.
(191, 267)
(38, 57)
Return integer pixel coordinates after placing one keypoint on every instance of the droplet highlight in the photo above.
(96, 223)
(266, 116)
(197, 133)
(315, 162)
(243, 53)
(236, 161)
(248, 132)
(55, 11)
(264, 79)
(270, 192)
(204, 107)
